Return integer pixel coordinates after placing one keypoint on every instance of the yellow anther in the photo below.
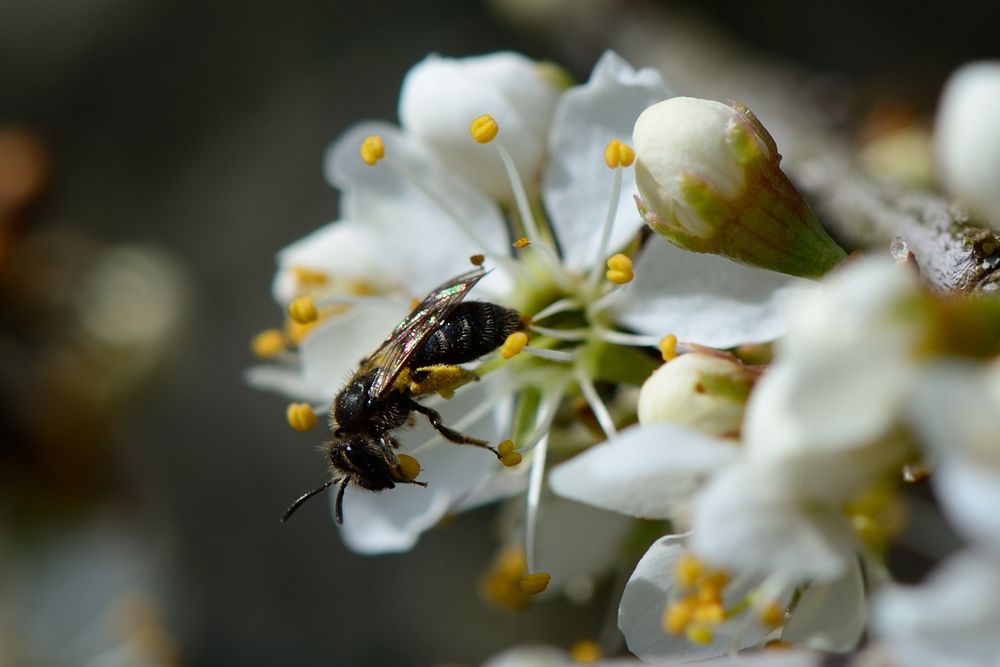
(678, 615)
(477, 260)
(700, 634)
(869, 532)
(501, 585)
(772, 615)
(620, 269)
(713, 582)
(668, 347)
(522, 242)
(512, 563)
(710, 613)
(505, 447)
(301, 417)
(407, 469)
(535, 583)
(511, 459)
(484, 129)
(296, 332)
(618, 154)
(585, 652)
(309, 277)
(513, 345)
(688, 570)
(372, 149)
(267, 344)
(303, 310)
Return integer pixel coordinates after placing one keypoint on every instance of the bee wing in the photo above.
(409, 335)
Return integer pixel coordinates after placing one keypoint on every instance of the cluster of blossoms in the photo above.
(640, 384)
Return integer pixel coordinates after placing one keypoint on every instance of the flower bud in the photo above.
(441, 96)
(967, 138)
(704, 391)
(709, 181)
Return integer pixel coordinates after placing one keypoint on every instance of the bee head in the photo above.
(363, 459)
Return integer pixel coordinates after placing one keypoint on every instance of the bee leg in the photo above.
(454, 436)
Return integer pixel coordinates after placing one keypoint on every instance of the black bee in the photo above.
(379, 396)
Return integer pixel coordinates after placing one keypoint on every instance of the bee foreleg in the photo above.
(449, 434)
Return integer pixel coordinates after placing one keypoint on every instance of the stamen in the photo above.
(585, 652)
(620, 269)
(700, 634)
(477, 260)
(618, 154)
(535, 479)
(484, 129)
(522, 242)
(307, 277)
(678, 616)
(513, 345)
(301, 417)
(501, 584)
(551, 355)
(624, 338)
(561, 334)
(508, 455)
(596, 405)
(408, 468)
(688, 570)
(372, 149)
(268, 344)
(668, 347)
(772, 615)
(303, 310)
(535, 583)
(505, 447)
(555, 307)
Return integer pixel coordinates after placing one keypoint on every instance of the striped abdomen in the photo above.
(472, 329)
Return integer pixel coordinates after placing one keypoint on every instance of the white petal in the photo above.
(803, 462)
(967, 137)
(531, 656)
(969, 493)
(343, 248)
(951, 620)
(428, 223)
(703, 298)
(646, 472)
(334, 350)
(575, 540)
(441, 96)
(640, 616)
(739, 526)
(577, 183)
(284, 380)
(393, 520)
(830, 616)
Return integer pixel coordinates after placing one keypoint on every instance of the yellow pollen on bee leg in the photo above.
(522, 242)
(535, 583)
(484, 129)
(303, 310)
(408, 468)
(513, 345)
(268, 344)
(620, 269)
(668, 347)
(301, 417)
(618, 154)
(372, 149)
(585, 652)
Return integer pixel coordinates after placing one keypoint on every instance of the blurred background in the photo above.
(154, 156)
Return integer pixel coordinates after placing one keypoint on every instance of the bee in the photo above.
(441, 331)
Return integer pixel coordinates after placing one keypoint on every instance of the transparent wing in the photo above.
(409, 335)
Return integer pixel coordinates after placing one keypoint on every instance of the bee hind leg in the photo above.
(450, 434)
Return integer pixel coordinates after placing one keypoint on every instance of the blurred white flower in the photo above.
(950, 620)
(967, 138)
(710, 182)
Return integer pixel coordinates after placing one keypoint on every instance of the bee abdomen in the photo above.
(472, 329)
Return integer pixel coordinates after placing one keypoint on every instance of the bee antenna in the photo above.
(306, 496)
(338, 512)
